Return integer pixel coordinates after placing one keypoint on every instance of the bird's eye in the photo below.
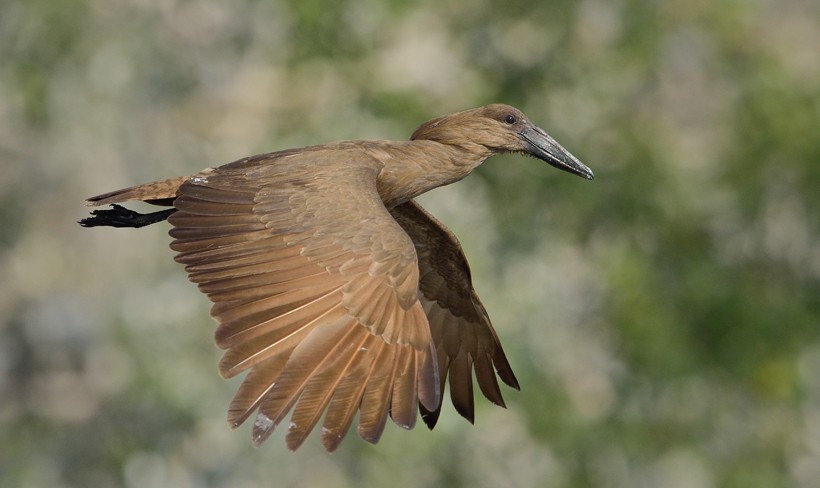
(509, 119)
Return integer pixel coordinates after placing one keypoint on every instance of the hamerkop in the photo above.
(331, 285)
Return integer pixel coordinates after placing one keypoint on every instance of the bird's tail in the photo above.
(157, 193)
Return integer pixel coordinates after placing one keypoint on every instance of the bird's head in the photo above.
(500, 128)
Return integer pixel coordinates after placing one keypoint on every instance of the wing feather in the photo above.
(320, 389)
(462, 334)
(315, 289)
(348, 394)
(313, 356)
(375, 403)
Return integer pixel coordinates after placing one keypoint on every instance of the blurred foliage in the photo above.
(664, 319)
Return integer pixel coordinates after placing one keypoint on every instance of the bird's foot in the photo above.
(119, 216)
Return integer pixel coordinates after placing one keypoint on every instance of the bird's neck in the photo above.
(414, 167)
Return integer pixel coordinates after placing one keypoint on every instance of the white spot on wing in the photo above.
(325, 430)
(263, 422)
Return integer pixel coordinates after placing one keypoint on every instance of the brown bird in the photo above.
(331, 285)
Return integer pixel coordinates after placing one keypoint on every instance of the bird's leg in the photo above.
(119, 216)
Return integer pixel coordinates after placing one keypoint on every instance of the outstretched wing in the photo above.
(315, 288)
(461, 329)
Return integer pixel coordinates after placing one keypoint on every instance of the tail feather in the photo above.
(157, 192)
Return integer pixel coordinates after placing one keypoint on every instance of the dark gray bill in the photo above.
(544, 147)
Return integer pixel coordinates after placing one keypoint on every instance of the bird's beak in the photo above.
(539, 144)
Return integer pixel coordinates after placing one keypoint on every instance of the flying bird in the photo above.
(336, 291)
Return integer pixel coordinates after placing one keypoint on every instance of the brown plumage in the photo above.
(336, 290)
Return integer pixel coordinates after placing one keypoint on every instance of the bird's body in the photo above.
(331, 285)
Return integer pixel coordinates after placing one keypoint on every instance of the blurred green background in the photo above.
(664, 319)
